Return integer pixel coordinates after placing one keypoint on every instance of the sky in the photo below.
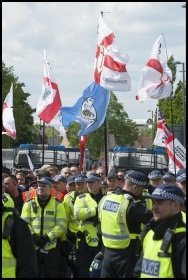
(68, 33)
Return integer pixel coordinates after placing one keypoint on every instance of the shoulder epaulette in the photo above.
(4, 198)
(82, 195)
(128, 196)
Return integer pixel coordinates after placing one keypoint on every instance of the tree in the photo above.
(21, 109)
(125, 130)
(172, 107)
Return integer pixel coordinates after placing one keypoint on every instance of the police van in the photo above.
(57, 155)
(140, 159)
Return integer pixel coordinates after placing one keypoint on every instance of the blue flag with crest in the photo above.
(89, 110)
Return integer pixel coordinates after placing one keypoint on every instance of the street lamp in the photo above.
(183, 96)
(151, 125)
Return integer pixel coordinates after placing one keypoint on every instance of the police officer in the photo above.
(18, 251)
(169, 177)
(121, 215)
(46, 217)
(164, 246)
(155, 178)
(69, 244)
(89, 239)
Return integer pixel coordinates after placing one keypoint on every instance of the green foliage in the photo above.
(22, 110)
(172, 107)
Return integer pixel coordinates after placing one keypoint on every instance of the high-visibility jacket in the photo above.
(7, 200)
(112, 214)
(68, 202)
(153, 265)
(33, 193)
(85, 207)
(50, 220)
(183, 216)
(8, 260)
(149, 203)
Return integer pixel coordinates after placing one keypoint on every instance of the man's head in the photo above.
(44, 187)
(135, 183)
(155, 178)
(169, 177)
(81, 183)
(75, 170)
(167, 201)
(40, 173)
(60, 183)
(94, 183)
(71, 186)
(66, 172)
(101, 171)
(112, 180)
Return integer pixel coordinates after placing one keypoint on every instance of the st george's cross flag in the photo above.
(110, 69)
(8, 117)
(165, 138)
(48, 107)
(156, 77)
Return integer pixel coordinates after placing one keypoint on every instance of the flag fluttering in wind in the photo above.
(82, 149)
(89, 110)
(8, 117)
(176, 151)
(48, 107)
(110, 65)
(156, 77)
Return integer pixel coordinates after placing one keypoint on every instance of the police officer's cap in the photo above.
(155, 174)
(46, 181)
(60, 178)
(81, 178)
(70, 179)
(94, 177)
(169, 175)
(137, 178)
(168, 192)
(181, 175)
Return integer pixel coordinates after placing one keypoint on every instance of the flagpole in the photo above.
(172, 124)
(105, 135)
(43, 135)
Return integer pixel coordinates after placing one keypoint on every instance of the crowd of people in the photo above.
(69, 224)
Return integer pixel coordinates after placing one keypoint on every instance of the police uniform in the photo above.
(18, 252)
(164, 246)
(47, 221)
(89, 241)
(121, 215)
(7, 200)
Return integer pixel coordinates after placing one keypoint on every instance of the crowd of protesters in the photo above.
(69, 224)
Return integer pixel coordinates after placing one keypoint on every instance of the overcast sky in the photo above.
(68, 33)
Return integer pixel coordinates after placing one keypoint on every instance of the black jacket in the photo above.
(178, 245)
(22, 246)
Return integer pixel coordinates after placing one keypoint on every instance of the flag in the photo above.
(156, 77)
(8, 117)
(82, 149)
(110, 65)
(48, 107)
(89, 110)
(160, 138)
(176, 151)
